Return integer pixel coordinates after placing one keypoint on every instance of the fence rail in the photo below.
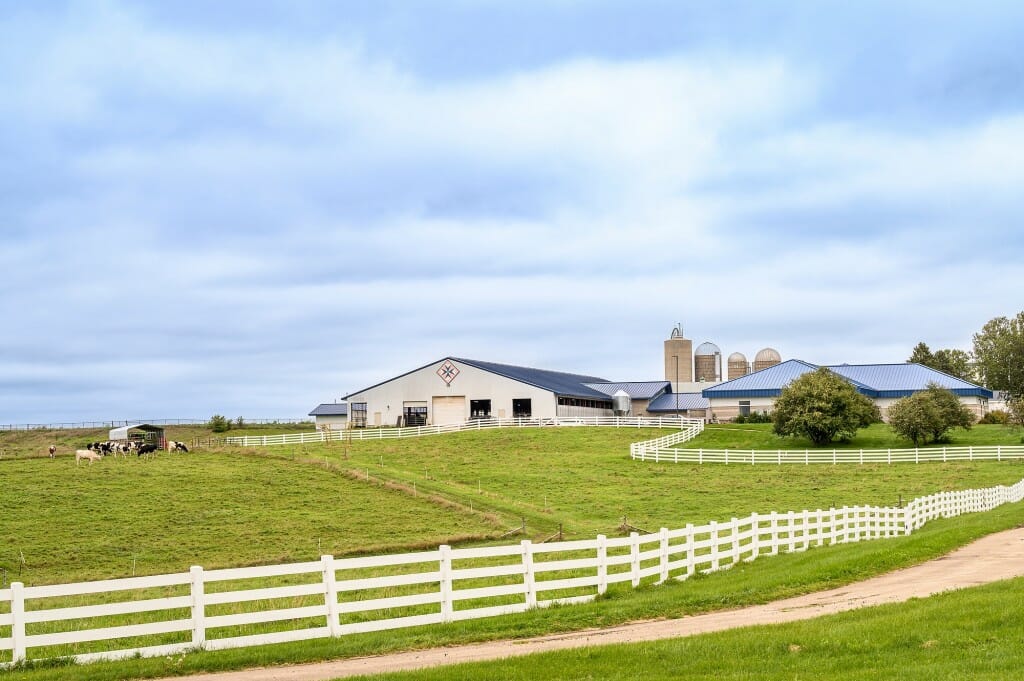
(68, 425)
(335, 597)
(661, 452)
(693, 426)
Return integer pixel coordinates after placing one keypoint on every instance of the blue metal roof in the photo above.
(873, 380)
(764, 383)
(637, 390)
(901, 380)
(678, 402)
(330, 409)
(560, 383)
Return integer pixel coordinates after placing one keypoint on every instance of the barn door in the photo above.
(449, 410)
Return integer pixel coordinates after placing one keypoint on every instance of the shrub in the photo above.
(821, 406)
(219, 424)
(929, 413)
(996, 417)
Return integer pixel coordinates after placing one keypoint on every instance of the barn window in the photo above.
(744, 407)
(480, 409)
(522, 409)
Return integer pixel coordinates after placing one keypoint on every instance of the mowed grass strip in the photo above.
(973, 633)
(81, 522)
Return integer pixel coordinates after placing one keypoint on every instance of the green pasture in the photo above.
(583, 479)
(229, 506)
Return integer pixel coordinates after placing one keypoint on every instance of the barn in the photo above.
(883, 383)
(143, 433)
(330, 416)
(455, 390)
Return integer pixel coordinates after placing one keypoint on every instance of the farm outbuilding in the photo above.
(883, 383)
(142, 433)
(330, 416)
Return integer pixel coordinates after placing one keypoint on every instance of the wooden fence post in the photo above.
(529, 576)
(691, 559)
(198, 607)
(714, 545)
(755, 531)
(775, 533)
(602, 564)
(18, 622)
(445, 582)
(331, 595)
(735, 539)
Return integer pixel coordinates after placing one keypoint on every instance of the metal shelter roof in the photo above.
(637, 390)
(678, 402)
(331, 409)
(122, 432)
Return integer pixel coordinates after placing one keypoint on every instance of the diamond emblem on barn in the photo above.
(448, 372)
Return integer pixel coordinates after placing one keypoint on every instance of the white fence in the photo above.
(230, 608)
(354, 434)
(659, 451)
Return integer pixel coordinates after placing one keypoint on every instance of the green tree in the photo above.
(931, 412)
(220, 424)
(953, 361)
(999, 353)
(821, 406)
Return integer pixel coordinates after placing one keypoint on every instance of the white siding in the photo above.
(423, 385)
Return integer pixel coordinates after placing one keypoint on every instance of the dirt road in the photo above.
(999, 556)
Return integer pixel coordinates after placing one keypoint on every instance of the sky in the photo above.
(249, 208)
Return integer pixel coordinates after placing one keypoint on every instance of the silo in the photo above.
(707, 363)
(678, 358)
(738, 365)
(768, 357)
(622, 403)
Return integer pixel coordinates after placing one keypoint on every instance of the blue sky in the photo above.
(251, 208)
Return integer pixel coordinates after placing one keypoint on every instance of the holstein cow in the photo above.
(53, 451)
(175, 446)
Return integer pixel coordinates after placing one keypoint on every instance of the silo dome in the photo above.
(768, 357)
(707, 348)
(738, 357)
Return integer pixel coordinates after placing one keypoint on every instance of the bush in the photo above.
(997, 417)
(821, 406)
(219, 424)
(754, 417)
(929, 413)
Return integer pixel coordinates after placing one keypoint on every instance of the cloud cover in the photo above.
(252, 214)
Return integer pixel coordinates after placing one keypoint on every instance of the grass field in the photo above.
(228, 506)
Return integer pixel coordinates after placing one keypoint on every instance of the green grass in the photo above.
(78, 522)
(228, 507)
(767, 579)
(877, 436)
(974, 633)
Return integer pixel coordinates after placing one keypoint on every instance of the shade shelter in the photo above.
(143, 433)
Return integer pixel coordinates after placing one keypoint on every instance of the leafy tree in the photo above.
(220, 424)
(954, 362)
(821, 406)
(999, 352)
(931, 412)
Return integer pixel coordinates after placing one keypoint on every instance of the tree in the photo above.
(999, 353)
(931, 412)
(821, 406)
(954, 362)
(220, 424)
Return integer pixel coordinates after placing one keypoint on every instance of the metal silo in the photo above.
(707, 363)
(622, 403)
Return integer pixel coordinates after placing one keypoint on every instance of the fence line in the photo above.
(68, 425)
(690, 426)
(532, 575)
(660, 452)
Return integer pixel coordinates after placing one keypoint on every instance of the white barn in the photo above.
(455, 390)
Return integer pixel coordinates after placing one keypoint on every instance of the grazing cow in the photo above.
(86, 454)
(175, 446)
(146, 449)
(53, 451)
